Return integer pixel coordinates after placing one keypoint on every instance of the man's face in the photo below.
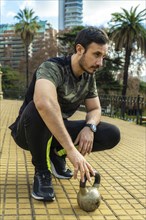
(92, 59)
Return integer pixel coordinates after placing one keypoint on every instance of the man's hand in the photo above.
(80, 165)
(84, 141)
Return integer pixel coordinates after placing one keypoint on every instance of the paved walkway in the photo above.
(122, 172)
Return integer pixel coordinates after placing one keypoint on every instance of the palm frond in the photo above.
(27, 25)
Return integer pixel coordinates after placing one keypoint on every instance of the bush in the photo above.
(13, 83)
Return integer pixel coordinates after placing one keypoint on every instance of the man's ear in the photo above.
(80, 49)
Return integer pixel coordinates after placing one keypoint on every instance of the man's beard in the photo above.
(82, 65)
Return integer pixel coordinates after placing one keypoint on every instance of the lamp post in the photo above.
(1, 92)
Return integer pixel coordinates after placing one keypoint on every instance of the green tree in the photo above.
(128, 33)
(26, 27)
(105, 76)
(12, 83)
(142, 89)
(46, 48)
(66, 39)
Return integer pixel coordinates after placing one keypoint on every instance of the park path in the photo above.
(122, 169)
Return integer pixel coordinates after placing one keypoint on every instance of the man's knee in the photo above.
(107, 137)
(114, 138)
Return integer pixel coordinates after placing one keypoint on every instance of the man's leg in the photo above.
(106, 137)
(32, 134)
(58, 162)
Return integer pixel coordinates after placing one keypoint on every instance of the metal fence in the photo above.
(123, 107)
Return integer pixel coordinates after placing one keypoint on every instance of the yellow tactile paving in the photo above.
(122, 170)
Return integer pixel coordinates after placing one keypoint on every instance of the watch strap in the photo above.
(88, 125)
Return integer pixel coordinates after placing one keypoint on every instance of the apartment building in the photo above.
(11, 47)
(70, 13)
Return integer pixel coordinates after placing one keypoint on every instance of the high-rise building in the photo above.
(70, 13)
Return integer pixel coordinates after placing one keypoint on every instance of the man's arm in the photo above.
(86, 136)
(46, 102)
(93, 110)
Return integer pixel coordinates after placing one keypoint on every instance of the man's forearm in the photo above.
(93, 117)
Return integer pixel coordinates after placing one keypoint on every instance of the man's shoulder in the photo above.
(62, 61)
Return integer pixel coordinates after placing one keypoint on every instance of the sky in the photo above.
(95, 12)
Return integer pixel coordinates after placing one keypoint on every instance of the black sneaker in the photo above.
(42, 186)
(58, 166)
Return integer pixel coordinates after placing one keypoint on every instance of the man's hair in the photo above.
(90, 35)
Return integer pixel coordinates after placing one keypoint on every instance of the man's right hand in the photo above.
(80, 165)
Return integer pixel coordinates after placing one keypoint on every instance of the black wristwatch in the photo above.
(92, 127)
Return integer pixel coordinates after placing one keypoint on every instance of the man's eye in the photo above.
(97, 55)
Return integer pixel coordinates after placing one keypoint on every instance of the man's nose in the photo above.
(99, 61)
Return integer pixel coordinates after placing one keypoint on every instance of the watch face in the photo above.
(93, 128)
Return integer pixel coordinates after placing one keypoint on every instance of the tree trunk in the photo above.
(27, 64)
(125, 81)
(126, 67)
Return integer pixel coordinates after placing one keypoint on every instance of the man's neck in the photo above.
(77, 71)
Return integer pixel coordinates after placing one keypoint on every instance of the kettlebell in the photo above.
(89, 198)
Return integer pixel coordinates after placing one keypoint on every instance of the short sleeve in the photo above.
(92, 88)
(51, 71)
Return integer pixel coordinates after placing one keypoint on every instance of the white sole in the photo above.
(41, 198)
(53, 170)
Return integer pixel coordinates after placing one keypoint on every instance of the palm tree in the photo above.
(26, 28)
(128, 32)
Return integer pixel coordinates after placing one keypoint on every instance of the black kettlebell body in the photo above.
(89, 198)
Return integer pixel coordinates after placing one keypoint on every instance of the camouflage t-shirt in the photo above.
(71, 91)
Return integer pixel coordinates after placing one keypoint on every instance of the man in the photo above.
(58, 88)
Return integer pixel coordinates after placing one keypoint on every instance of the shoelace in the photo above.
(45, 178)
